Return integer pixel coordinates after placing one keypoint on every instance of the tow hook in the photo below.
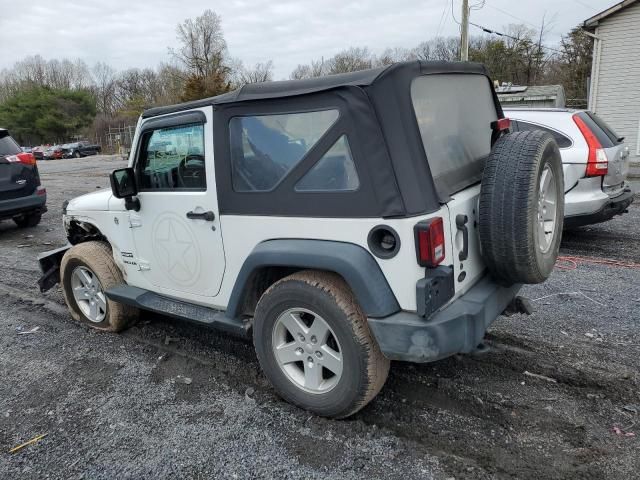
(519, 305)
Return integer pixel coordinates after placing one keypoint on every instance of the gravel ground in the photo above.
(167, 399)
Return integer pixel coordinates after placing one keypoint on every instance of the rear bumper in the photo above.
(610, 208)
(16, 206)
(458, 328)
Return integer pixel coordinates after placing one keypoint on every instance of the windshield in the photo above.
(454, 114)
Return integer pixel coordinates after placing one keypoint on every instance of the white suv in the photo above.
(343, 221)
(595, 161)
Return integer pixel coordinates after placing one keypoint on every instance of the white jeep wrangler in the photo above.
(343, 221)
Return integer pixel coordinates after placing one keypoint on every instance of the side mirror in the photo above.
(123, 183)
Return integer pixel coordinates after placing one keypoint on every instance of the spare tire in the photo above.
(521, 209)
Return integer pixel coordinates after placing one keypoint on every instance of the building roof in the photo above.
(290, 88)
(592, 23)
(518, 93)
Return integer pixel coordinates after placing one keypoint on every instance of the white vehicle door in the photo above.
(177, 231)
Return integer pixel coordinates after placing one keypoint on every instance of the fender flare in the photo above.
(355, 264)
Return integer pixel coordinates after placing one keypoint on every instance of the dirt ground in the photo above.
(168, 399)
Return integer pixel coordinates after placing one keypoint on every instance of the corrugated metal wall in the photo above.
(615, 93)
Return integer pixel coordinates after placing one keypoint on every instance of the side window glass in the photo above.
(265, 148)
(173, 159)
(561, 140)
(334, 172)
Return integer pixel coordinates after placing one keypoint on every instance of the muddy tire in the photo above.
(27, 220)
(522, 207)
(87, 270)
(315, 347)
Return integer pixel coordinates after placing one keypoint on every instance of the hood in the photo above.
(93, 201)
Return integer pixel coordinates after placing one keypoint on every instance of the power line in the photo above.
(444, 13)
(500, 34)
(453, 14)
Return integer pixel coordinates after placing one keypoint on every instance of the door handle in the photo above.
(208, 216)
(461, 224)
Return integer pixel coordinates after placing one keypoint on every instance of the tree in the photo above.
(203, 54)
(41, 114)
(260, 72)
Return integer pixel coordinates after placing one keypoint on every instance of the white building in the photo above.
(614, 92)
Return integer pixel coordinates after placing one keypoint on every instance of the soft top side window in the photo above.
(172, 158)
(334, 172)
(265, 148)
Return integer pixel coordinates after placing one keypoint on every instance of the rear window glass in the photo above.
(562, 140)
(8, 146)
(265, 148)
(454, 114)
(608, 131)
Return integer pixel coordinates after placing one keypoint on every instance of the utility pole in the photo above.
(464, 32)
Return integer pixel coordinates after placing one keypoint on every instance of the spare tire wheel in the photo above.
(522, 207)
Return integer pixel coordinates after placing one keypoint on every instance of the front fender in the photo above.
(352, 262)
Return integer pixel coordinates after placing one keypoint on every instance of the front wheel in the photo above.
(76, 154)
(315, 347)
(87, 270)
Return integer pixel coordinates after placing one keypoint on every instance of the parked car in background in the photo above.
(55, 152)
(80, 149)
(22, 198)
(26, 149)
(38, 152)
(595, 161)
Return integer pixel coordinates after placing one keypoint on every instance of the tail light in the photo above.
(597, 161)
(429, 236)
(26, 158)
(501, 124)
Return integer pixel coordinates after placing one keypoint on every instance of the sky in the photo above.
(137, 33)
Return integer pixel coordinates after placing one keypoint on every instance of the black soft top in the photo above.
(376, 112)
(290, 88)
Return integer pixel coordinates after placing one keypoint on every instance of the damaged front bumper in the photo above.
(50, 267)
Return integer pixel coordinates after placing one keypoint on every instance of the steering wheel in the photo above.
(191, 172)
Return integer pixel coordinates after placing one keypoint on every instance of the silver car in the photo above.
(595, 161)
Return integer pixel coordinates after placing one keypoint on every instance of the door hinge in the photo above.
(135, 220)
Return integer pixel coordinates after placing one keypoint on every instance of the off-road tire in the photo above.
(365, 368)
(27, 220)
(509, 206)
(97, 257)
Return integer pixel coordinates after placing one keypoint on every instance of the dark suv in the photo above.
(22, 198)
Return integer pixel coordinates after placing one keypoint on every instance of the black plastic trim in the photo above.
(375, 247)
(147, 300)
(433, 291)
(178, 119)
(457, 328)
(356, 265)
(615, 206)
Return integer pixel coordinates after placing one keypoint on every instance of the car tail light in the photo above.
(41, 191)
(429, 236)
(597, 161)
(26, 158)
(501, 124)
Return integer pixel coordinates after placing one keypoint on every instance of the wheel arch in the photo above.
(272, 260)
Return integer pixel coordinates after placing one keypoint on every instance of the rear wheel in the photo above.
(27, 220)
(314, 345)
(87, 270)
(522, 207)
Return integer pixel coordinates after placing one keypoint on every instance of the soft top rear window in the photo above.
(454, 114)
